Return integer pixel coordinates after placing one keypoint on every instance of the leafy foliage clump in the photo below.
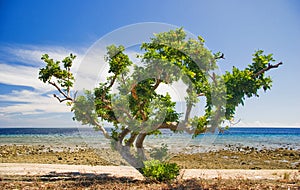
(160, 171)
(64, 77)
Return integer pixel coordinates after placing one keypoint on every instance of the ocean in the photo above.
(235, 137)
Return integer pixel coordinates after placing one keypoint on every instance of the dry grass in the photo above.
(103, 181)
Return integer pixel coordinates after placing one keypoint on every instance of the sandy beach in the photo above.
(63, 176)
(29, 169)
(45, 167)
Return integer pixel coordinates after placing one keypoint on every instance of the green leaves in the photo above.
(244, 83)
(117, 60)
(199, 124)
(260, 61)
(53, 70)
(201, 39)
(84, 109)
(68, 61)
(160, 171)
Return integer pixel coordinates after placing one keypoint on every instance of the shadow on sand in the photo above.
(86, 178)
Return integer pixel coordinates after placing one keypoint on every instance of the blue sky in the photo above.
(57, 27)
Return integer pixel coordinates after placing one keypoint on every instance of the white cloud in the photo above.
(20, 64)
(21, 76)
(31, 55)
(20, 67)
(38, 120)
(30, 102)
(91, 69)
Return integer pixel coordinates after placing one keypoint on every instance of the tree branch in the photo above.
(140, 139)
(98, 126)
(188, 112)
(175, 126)
(108, 87)
(213, 77)
(139, 146)
(66, 97)
(158, 81)
(123, 134)
(112, 82)
(102, 129)
(267, 68)
(68, 89)
(124, 111)
(141, 111)
(131, 139)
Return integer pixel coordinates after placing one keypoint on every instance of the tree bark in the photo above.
(139, 146)
(267, 68)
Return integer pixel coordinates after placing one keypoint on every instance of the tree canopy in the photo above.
(137, 110)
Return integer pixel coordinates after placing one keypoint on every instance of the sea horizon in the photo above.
(256, 137)
(237, 126)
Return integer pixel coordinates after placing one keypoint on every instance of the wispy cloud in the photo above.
(20, 67)
(37, 120)
(31, 54)
(21, 76)
(30, 102)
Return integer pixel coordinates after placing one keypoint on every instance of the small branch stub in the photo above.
(270, 66)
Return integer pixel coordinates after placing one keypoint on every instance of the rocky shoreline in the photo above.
(248, 158)
(229, 158)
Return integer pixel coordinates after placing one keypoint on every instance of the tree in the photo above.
(138, 111)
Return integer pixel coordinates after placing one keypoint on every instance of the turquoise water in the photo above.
(270, 138)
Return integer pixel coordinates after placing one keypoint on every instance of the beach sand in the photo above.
(29, 169)
(41, 167)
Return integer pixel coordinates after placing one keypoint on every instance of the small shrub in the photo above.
(160, 171)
